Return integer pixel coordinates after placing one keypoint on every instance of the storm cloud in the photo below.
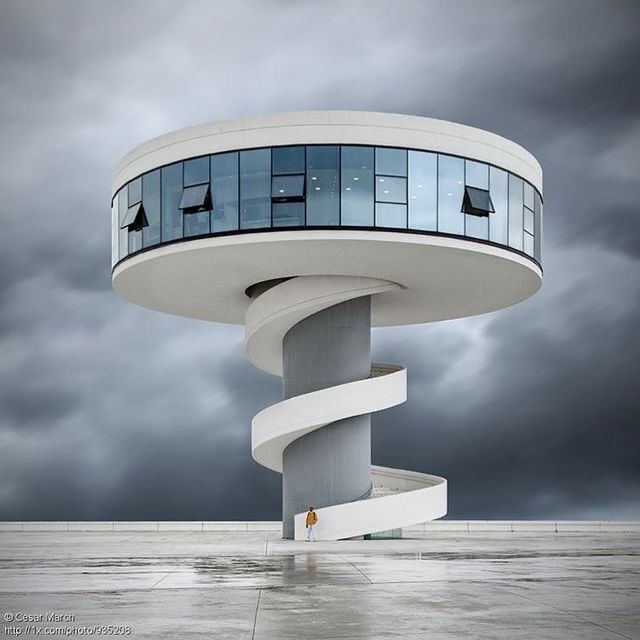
(110, 411)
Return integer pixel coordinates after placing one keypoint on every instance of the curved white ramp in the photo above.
(399, 498)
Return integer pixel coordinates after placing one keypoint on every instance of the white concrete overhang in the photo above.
(439, 277)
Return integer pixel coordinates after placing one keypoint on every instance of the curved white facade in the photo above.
(329, 127)
(271, 221)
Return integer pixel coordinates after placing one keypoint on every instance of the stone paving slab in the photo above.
(254, 585)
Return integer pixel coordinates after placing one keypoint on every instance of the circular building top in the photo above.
(335, 127)
(450, 213)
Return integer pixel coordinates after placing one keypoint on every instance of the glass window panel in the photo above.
(477, 201)
(196, 171)
(288, 214)
(123, 234)
(391, 215)
(134, 217)
(115, 230)
(528, 244)
(391, 162)
(255, 188)
(224, 186)
(135, 191)
(477, 227)
(291, 186)
(151, 202)
(357, 186)
(133, 221)
(476, 174)
(135, 241)
(288, 160)
(196, 198)
(423, 190)
(515, 212)
(323, 185)
(196, 224)
(171, 195)
(499, 190)
(528, 195)
(528, 221)
(450, 194)
(391, 189)
(537, 227)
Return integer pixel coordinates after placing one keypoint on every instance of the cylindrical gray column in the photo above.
(333, 464)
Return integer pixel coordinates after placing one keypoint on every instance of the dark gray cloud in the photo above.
(112, 411)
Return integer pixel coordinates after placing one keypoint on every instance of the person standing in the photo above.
(311, 522)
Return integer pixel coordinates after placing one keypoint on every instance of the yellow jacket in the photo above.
(312, 518)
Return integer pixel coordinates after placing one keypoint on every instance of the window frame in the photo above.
(135, 219)
(206, 205)
(298, 196)
(468, 206)
(380, 177)
(339, 204)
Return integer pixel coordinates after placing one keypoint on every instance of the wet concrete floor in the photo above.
(256, 586)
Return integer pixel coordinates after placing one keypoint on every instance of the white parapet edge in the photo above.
(433, 526)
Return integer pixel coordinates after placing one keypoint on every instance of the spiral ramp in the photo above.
(398, 498)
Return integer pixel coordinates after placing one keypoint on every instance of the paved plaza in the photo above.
(255, 585)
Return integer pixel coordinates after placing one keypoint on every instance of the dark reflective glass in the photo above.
(391, 215)
(357, 186)
(515, 212)
(391, 189)
(196, 198)
(224, 186)
(171, 195)
(151, 202)
(528, 244)
(477, 205)
(285, 188)
(135, 191)
(123, 234)
(423, 190)
(537, 220)
(477, 202)
(287, 160)
(288, 214)
(196, 171)
(391, 162)
(323, 185)
(255, 189)
(450, 194)
(499, 189)
(134, 218)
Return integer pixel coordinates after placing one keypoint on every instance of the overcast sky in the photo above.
(110, 411)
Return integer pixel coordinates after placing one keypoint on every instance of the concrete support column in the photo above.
(331, 465)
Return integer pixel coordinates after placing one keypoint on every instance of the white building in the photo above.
(309, 228)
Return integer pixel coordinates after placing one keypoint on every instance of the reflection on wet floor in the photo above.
(257, 586)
